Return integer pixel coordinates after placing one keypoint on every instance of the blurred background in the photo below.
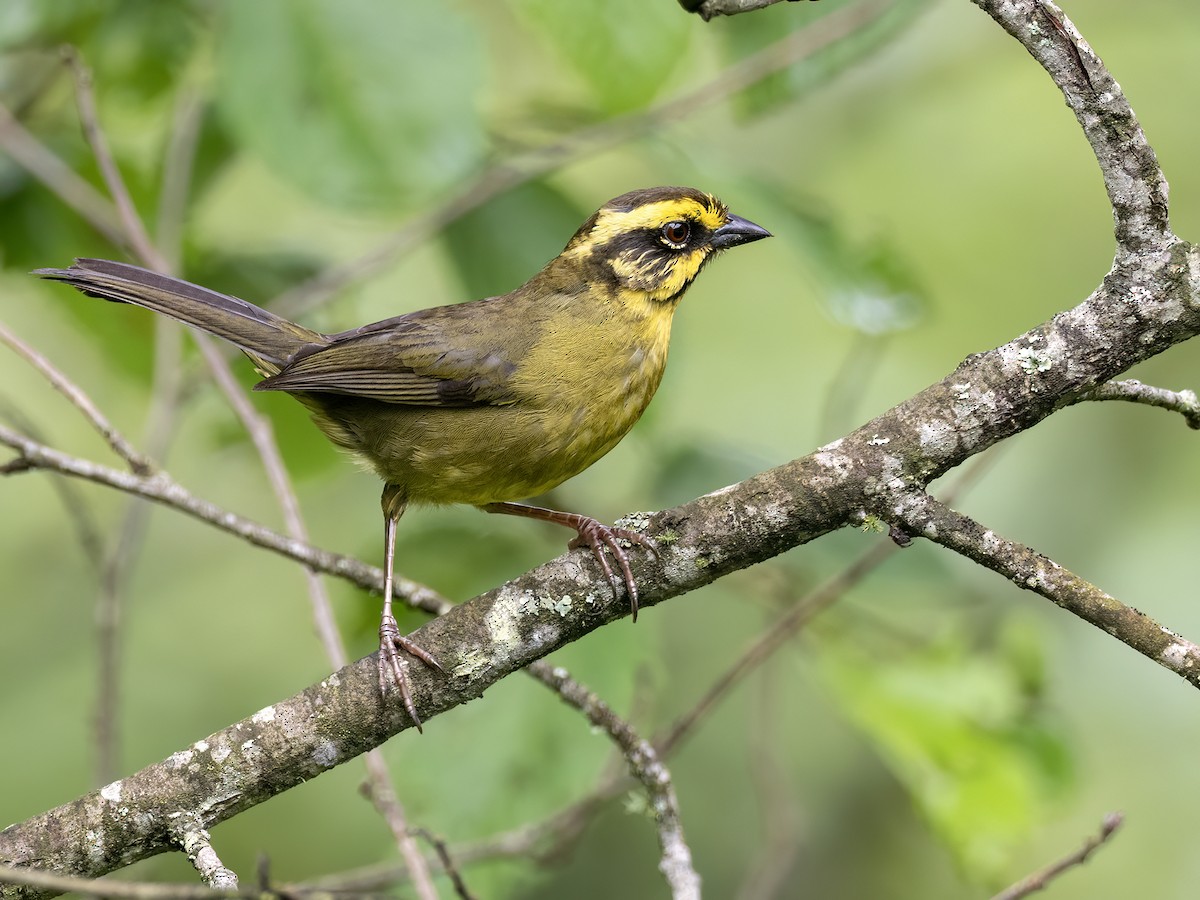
(934, 733)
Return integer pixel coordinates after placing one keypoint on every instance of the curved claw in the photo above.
(593, 534)
(598, 537)
(390, 663)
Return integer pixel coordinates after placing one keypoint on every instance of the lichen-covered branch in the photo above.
(1136, 186)
(1026, 568)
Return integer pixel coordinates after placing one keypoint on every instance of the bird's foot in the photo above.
(393, 668)
(598, 537)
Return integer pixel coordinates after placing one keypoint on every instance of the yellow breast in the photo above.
(592, 377)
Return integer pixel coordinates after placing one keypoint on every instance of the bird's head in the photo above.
(655, 241)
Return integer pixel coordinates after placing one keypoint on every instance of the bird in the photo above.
(486, 402)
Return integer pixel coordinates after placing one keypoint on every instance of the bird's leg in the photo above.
(593, 534)
(390, 638)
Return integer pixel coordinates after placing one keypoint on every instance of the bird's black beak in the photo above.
(737, 231)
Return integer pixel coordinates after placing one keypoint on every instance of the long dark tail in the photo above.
(261, 334)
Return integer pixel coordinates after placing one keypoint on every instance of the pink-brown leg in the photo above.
(390, 638)
(593, 534)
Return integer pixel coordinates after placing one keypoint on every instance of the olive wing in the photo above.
(446, 357)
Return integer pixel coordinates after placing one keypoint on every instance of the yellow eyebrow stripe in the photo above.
(614, 222)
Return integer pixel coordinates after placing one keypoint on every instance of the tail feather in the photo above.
(255, 330)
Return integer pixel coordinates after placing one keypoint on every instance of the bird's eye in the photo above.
(676, 233)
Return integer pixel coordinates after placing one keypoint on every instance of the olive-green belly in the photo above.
(481, 454)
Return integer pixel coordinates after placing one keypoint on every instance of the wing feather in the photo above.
(410, 360)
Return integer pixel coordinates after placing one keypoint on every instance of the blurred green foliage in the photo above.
(357, 103)
(935, 733)
(623, 67)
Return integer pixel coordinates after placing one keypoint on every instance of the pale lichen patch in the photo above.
(501, 619)
(471, 663)
(562, 606)
(775, 514)
(111, 792)
(991, 543)
(634, 521)
(180, 759)
(1180, 654)
(95, 843)
(683, 564)
(936, 436)
(831, 458)
(325, 754)
(1033, 362)
(544, 636)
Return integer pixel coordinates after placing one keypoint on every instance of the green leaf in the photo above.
(624, 50)
(359, 102)
(956, 726)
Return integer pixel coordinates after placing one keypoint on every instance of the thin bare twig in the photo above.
(44, 165)
(447, 861)
(1040, 879)
(133, 527)
(134, 890)
(131, 222)
(378, 788)
(772, 639)
(646, 767)
(177, 169)
(163, 489)
(196, 843)
(138, 464)
(1133, 391)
